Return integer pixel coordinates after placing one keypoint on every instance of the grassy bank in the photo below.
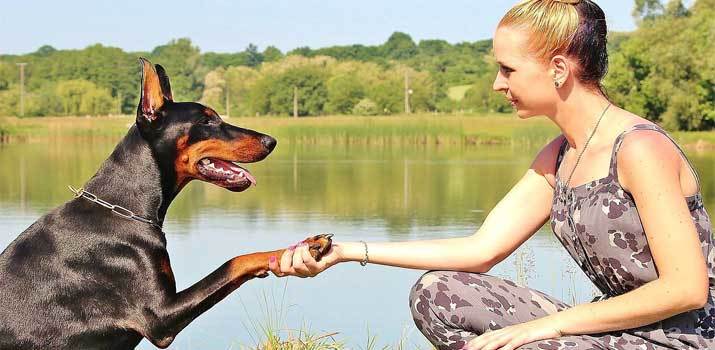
(414, 129)
(381, 130)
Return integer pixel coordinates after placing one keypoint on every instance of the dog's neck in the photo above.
(131, 178)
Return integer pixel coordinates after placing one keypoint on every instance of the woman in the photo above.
(620, 196)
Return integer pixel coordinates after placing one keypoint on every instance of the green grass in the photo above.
(271, 332)
(423, 129)
(381, 130)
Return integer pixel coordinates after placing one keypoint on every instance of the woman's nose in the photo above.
(499, 83)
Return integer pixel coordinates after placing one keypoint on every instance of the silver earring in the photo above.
(557, 84)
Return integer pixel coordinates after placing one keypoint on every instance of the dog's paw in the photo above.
(319, 245)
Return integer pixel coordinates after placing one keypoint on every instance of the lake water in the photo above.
(377, 193)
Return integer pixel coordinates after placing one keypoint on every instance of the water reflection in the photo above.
(384, 193)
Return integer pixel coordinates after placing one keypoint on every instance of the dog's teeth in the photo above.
(241, 174)
(211, 165)
(205, 161)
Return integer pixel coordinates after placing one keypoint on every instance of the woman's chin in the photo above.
(522, 114)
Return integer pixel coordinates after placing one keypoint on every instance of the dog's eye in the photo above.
(207, 121)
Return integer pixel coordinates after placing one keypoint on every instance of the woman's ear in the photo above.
(559, 69)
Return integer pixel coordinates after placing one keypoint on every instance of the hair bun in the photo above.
(570, 2)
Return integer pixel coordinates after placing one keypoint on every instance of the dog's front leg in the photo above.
(188, 304)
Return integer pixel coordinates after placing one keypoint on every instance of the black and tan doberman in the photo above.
(87, 277)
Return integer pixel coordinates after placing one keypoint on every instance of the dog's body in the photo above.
(81, 277)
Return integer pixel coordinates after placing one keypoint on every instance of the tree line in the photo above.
(664, 70)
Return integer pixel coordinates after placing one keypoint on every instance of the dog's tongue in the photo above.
(234, 168)
(249, 176)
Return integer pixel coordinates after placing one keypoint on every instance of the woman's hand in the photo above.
(512, 337)
(297, 261)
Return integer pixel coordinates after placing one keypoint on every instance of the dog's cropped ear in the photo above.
(164, 82)
(152, 97)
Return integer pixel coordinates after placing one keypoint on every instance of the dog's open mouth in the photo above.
(225, 174)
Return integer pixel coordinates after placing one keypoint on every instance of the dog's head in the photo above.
(193, 138)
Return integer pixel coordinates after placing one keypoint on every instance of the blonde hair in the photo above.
(574, 28)
(551, 23)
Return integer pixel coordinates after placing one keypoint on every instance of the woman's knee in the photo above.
(426, 285)
(473, 300)
(446, 309)
(445, 295)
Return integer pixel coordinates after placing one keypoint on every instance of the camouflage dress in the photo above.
(599, 226)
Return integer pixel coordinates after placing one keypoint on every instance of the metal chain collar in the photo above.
(116, 209)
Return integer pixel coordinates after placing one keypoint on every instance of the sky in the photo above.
(229, 26)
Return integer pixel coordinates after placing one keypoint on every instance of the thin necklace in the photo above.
(586, 144)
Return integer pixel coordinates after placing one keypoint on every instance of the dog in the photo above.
(94, 273)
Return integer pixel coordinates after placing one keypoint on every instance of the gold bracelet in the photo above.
(364, 261)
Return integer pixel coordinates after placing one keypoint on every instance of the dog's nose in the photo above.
(269, 142)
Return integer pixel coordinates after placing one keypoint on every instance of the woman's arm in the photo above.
(514, 219)
(649, 166)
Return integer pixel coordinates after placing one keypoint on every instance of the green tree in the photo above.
(181, 60)
(482, 98)
(400, 46)
(676, 8)
(214, 93)
(253, 57)
(365, 107)
(663, 70)
(647, 9)
(44, 101)
(240, 81)
(273, 92)
(6, 73)
(312, 91)
(302, 51)
(212, 60)
(344, 92)
(81, 97)
(9, 101)
(272, 54)
(45, 50)
(434, 47)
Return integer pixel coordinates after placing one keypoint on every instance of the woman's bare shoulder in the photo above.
(641, 150)
(545, 162)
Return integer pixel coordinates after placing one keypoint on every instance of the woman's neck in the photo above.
(577, 116)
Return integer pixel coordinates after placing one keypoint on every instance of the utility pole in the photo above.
(119, 102)
(22, 88)
(295, 102)
(407, 93)
(228, 109)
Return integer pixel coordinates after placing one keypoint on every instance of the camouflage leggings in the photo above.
(452, 308)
